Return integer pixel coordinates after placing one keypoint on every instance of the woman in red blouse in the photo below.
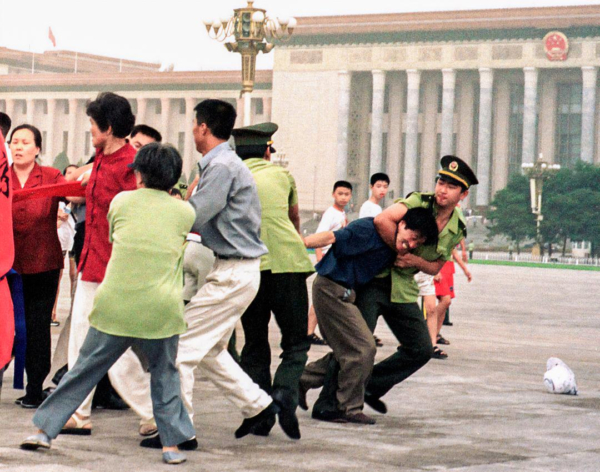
(38, 255)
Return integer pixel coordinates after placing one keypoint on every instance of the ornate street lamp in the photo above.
(537, 173)
(248, 32)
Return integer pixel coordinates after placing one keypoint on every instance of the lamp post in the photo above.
(537, 173)
(248, 32)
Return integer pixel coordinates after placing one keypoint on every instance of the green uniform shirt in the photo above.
(141, 294)
(404, 287)
(277, 193)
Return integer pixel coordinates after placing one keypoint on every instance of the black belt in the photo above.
(233, 258)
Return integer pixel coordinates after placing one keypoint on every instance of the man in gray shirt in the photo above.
(228, 220)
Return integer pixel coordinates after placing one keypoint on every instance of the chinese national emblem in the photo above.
(453, 166)
(556, 46)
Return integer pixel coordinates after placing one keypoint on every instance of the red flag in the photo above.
(51, 37)
(7, 252)
(68, 189)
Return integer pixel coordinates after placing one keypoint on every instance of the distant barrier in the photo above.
(525, 257)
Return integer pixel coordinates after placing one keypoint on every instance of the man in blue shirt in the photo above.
(358, 254)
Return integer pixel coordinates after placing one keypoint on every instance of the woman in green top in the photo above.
(139, 304)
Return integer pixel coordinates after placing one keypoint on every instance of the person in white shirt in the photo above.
(333, 219)
(380, 183)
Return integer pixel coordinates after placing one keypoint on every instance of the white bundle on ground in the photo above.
(559, 378)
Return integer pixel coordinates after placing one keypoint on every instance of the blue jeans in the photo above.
(98, 353)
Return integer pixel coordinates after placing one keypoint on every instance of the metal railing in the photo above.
(525, 257)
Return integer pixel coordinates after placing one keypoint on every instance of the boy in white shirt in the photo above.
(380, 183)
(333, 219)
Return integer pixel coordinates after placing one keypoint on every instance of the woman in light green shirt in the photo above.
(139, 304)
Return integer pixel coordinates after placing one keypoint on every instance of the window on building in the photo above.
(65, 142)
(181, 106)
(158, 107)
(44, 107)
(515, 128)
(88, 145)
(134, 106)
(568, 124)
(440, 98)
(44, 143)
(475, 127)
(181, 142)
(66, 107)
(386, 98)
(384, 151)
(259, 106)
(24, 106)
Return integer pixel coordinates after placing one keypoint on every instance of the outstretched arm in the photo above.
(319, 240)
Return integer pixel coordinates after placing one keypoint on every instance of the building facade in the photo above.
(354, 95)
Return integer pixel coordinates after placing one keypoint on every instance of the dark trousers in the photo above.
(287, 297)
(39, 293)
(407, 323)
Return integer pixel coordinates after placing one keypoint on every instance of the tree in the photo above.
(61, 161)
(511, 211)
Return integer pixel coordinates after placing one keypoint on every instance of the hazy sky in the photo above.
(172, 31)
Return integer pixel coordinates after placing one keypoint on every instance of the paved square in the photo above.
(484, 409)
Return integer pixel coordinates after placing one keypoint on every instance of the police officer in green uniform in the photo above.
(394, 293)
(283, 277)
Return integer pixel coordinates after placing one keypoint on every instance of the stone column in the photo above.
(412, 131)
(530, 114)
(10, 109)
(30, 110)
(165, 106)
(72, 130)
(376, 159)
(247, 109)
(345, 79)
(394, 169)
(142, 106)
(190, 145)
(49, 155)
(588, 112)
(449, 84)
(486, 77)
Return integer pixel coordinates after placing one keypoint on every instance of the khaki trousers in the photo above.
(351, 341)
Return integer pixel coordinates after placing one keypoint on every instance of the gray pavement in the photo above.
(485, 408)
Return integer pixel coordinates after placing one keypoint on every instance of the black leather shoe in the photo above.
(264, 428)
(302, 403)
(155, 443)
(249, 423)
(329, 416)
(375, 403)
(112, 402)
(287, 413)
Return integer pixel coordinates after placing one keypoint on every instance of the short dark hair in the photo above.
(379, 176)
(68, 167)
(5, 124)
(452, 181)
(159, 164)
(37, 136)
(219, 117)
(342, 183)
(422, 221)
(112, 110)
(175, 191)
(146, 131)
